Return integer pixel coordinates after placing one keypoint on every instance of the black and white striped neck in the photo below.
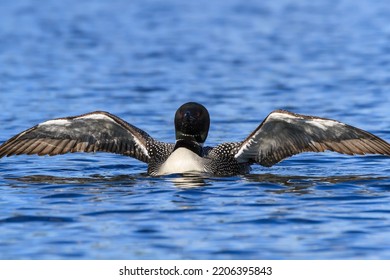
(193, 146)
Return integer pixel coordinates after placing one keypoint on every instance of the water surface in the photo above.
(141, 60)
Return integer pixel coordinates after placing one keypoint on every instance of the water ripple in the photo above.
(28, 219)
(242, 59)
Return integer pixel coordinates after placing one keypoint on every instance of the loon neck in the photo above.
(190, 145)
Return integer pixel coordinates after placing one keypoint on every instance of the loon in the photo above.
(282, 134)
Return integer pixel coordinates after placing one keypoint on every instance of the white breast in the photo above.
(182, 160)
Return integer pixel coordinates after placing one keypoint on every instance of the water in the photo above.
(242, 59)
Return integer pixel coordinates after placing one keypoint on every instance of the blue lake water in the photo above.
(141, 60)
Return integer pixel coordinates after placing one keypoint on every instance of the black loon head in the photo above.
(192, 122)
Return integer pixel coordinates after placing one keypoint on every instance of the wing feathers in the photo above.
(283, 134)
(92, 132)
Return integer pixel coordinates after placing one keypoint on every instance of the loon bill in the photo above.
(281, 135)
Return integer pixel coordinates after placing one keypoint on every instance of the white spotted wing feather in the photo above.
(96, 131)
(283, 134)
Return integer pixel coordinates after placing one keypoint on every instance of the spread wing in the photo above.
(283, 134)
(92, 132)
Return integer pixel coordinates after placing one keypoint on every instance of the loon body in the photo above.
(281, 135)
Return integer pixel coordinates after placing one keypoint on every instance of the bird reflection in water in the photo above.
(273, 182)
